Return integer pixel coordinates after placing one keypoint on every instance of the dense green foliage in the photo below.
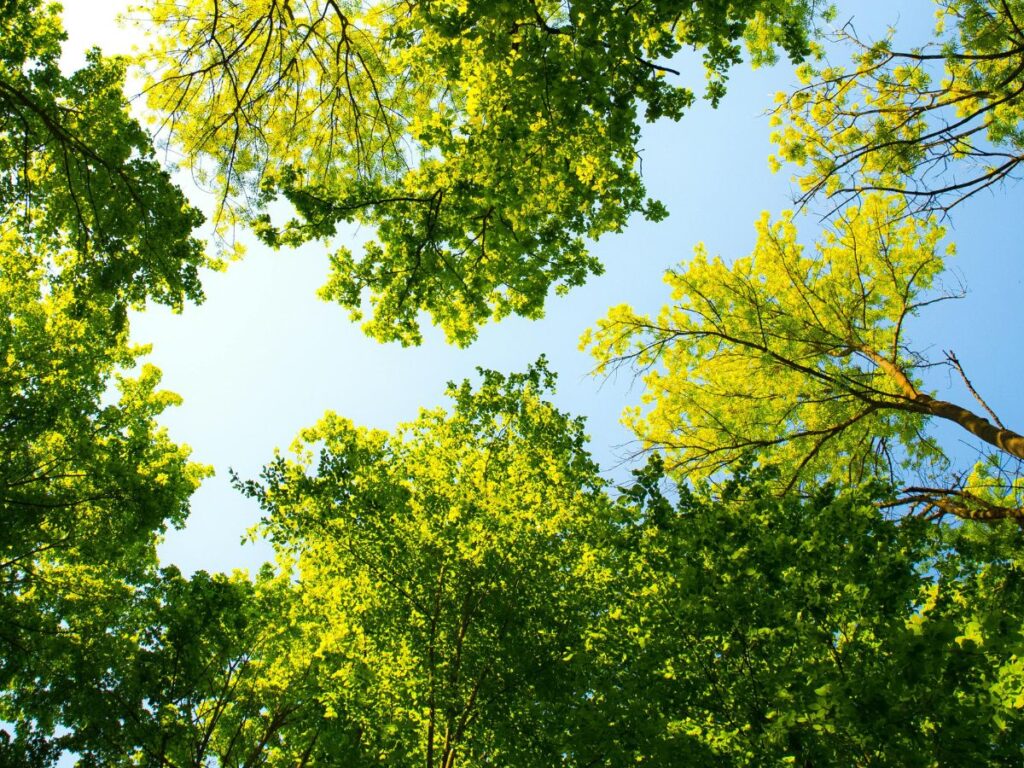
(88, 479)
(92, 226)
(79, 180)
(467, 591)
(484, 141)
(746, 629)
(445, 572)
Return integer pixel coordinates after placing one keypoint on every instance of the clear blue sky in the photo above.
(262, 357)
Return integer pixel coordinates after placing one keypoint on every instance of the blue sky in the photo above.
(263, 357)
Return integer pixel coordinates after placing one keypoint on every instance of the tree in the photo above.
(483, 141)
(466, 591)
(748, 629)
(182, 673)
(446, 572)
(92, 227)
(802, 360)
(937, 124)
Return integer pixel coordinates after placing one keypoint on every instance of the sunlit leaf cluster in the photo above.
(794, 354)
(937, 122)
(444, 572)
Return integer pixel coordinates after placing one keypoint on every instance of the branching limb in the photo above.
(935, 503)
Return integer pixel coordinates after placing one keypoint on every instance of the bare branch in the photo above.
(952, 359)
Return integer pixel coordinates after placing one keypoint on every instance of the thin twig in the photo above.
(951, 358)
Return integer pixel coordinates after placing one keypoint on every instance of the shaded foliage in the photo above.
(748, 629)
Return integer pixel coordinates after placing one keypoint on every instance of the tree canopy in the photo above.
(445, 571)
(80, 180)
(779, 584)
(91, 227)
(468, 591)
(749, 629)
(802, 360)
(485, 142)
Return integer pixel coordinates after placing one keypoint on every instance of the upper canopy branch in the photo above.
(799, 360)
(888, 126)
